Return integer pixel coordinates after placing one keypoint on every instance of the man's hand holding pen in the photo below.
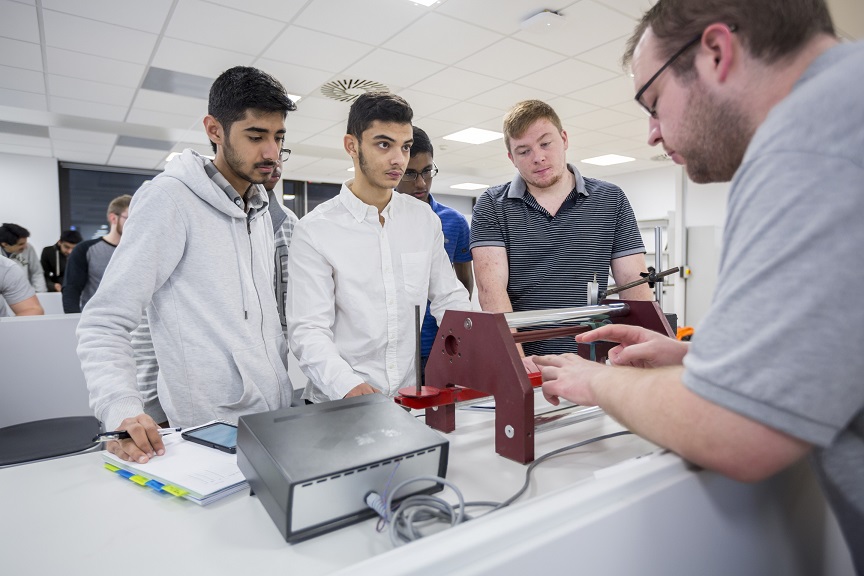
(143, 443)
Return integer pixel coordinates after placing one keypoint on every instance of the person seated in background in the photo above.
(14, 245)
(16, 293)
(360, 262)
(88, 261)
(198, 256)
(774, 373)
(53, 259)
(537, 241)
(417, 182)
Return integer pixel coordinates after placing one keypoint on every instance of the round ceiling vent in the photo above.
(350, 90)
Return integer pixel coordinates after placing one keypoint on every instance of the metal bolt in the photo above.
(468, 324)
(508, 431)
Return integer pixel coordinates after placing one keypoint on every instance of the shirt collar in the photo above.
(518, 186)
(360, 210)
(255, 194)
(432, 202)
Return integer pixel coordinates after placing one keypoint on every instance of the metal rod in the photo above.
(558, 315)
(549, 333)
(629, 285)
(564, 417)
(418, 323)
(658, 263)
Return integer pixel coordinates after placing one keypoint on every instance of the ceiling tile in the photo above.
(19, 54)
(95, 68)
(66, 87)
(25, 150)
(607, 55)
(305, 124)
(88, 109)
(225, 28)
(599, 119)
(436, 128)
(503, 17)
(360, 21)
(19, 22)
(21, 79)
(166, 119)
(97, 38)
(505, 97)
(170, 103)
(276, 9)
(425, 104)
(21, 129)
(148, 16)
(190, 58)
(392, 68)
(633, 8)
(455, 83)
(179, 83)
(296, 79)
(609, 93)
(147, 143)
(467, 114)
(317, 106)
(630, 107)
(18, 100)
(82, 136)
(81, 156)
(579, 31)
(631, 129)
(85, 147)
(319, 140)
(567, 107)
(26, 141)
(331, 53)
(134, 158)
(509, 59)
(567, 76)
(420, 37)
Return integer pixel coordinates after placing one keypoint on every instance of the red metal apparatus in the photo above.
(475, 356)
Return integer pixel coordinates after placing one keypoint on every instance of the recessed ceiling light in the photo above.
(288, 196)
(608, 160)
(469, 186)
(424, 2)
(474, 136)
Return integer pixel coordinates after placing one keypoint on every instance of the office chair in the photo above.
(44, 439)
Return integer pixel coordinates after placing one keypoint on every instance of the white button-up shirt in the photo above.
(352, 288)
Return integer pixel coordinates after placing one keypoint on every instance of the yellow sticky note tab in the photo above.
(140, 480)
(111, 467)
(174, 490)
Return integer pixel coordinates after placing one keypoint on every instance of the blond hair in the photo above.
(119, 205)
(523, 115)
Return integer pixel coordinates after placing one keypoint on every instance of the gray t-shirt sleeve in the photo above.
(14, 285)
(782, 342)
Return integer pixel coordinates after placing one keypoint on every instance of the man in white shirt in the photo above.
(360, 262)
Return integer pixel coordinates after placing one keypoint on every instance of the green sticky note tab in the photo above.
(173, 490)
(111, 467)
(140, 480)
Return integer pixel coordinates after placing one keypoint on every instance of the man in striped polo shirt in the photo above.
(417, 182)
(538, 240)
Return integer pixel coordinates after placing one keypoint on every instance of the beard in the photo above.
(717, 138)
(369, 175)
(235, 162)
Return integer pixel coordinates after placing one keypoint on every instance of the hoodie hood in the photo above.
(189, 169)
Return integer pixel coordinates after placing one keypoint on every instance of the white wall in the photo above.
(30, 197)
(705, 204)
(651, 192)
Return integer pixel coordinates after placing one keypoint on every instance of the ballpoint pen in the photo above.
(123, 434)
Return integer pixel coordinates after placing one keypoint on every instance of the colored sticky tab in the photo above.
(140, 480)
(173, 490)
(124, 473)
(111, 467)
(155, 485)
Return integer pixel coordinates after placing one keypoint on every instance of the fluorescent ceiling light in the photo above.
(474, 136)
(424, 2)
(469, 186)
(288, 196)
(294, 98)
(608, 160)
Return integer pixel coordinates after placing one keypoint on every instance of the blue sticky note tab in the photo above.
(154, 485)
(125, 473)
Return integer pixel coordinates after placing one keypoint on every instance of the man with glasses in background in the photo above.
(89, 259)
(417, 182)
(199, 258)
(763, 94)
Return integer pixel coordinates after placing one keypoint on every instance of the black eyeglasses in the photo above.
(652, 110)
(284, 154)
(427, 174)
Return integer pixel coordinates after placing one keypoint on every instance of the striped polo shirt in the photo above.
(551, 259)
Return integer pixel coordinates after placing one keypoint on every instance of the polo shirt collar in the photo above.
(359, 210)
(518, 186)
(432, 202)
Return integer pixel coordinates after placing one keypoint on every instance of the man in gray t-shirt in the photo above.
(775, 371)
(16, 293)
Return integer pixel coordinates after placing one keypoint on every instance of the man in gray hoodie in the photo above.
(199, 258)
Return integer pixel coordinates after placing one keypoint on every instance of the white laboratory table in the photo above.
(618, 506)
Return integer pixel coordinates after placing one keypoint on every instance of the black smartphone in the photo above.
(218, 435)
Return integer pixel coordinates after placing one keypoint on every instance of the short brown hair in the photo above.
(523, 115)
(769, 29)
(119, 205)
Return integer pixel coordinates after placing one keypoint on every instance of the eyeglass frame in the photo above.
(286, 152)
(413, 175)
(652, 112)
